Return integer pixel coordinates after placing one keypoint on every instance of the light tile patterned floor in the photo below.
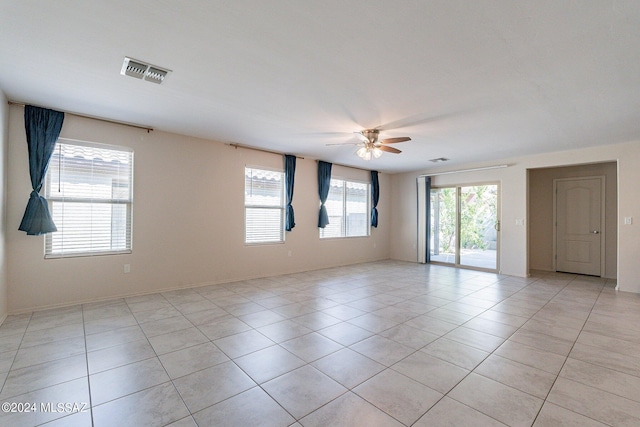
(377, 344)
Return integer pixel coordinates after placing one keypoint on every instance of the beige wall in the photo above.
(188, 218)
(4, 138)
(514, 202)
(404, 192)
(188, 221)
(541, 213)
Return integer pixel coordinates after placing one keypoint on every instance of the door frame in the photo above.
(603, 205)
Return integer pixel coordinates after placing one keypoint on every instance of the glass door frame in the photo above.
(458, 202)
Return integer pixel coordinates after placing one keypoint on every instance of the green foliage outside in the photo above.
(478, 213)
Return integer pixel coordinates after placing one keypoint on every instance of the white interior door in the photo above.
(579, 225)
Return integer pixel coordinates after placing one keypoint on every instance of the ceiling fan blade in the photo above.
(395, 140)
(361, 136)
(389, 149)
(420, 119)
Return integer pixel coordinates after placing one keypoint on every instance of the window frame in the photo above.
(51, 199)
(344, 226)
(281, 207)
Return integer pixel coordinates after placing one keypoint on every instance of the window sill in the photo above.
(86, 254)
(263, 243)
(345, 237)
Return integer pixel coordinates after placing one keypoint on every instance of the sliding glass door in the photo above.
(464, 226)
(444, 225)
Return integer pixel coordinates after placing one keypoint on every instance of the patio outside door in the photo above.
(464, 226)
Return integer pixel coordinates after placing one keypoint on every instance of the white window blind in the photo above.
(348, 208)
(90, 191)
(264, 206)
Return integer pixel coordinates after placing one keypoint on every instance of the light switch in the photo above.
(628, 220)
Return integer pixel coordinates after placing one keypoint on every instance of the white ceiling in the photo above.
(469, 80)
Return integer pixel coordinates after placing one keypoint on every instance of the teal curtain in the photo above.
(427, 189)
(289, 178)
(375, 196)
(42, 127)
(324, 182)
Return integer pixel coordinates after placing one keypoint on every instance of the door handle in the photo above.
(595, 232)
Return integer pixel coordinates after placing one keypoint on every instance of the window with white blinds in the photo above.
(263, 206)
(90, 192)
(348, 208)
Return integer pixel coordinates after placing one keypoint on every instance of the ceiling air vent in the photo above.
(141, 70)
(155, 75)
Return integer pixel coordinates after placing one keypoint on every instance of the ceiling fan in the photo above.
(371, 147)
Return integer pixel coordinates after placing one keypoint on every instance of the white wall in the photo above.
(514, 200)
(4, 138)
(188, 221)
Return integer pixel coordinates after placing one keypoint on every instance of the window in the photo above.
(90, 192)
(348, 208)
(263, 206)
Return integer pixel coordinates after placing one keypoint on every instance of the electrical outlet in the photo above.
(127, 268)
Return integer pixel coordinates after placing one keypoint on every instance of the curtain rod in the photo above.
(465, 170)
(147, 128)
(236, 146)
(351, 167)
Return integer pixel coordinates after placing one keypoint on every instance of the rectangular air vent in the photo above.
(140, 70)
(133, 68)
(155, 75)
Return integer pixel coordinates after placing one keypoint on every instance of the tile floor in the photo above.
(384, 344)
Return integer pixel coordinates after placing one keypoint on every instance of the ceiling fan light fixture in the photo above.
(370, 147)
(365, 153)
